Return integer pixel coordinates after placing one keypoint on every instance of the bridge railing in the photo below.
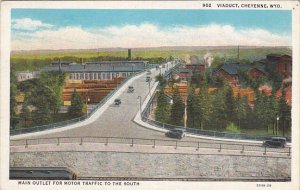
(153, 143)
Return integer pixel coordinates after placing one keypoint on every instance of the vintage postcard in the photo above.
(150, 95)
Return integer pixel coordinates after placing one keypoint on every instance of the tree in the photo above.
(218, 110)
(13, 104)
(161, 80)
(203, 107)
(240, 108)
(191, 108)
(230, 105)
(75, 110)
(162, 112)
(177, 109)
(284, 113)
(25, 114)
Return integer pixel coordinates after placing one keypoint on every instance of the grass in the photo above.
(249, 54)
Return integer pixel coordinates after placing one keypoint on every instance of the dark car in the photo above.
(117, 102)
(130, 89)
(148, 79)
(175, 133)
(275, 142)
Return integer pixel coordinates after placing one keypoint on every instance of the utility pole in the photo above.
(238, 54)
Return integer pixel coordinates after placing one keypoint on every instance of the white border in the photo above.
(4, 96)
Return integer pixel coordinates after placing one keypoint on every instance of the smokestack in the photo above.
(129, 54)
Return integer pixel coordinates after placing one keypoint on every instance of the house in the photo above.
(281, 63)
(26, 75)
(183, 73)
(256, 71)
(231, 72)
(196, 68)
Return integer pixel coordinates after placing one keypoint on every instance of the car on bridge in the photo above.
(275, 142)
(149, 72)
(130, 89)
(175, 133)
(117, 102)
(148, 79)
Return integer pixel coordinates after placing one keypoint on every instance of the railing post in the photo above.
(220, 147)
(106, 143)
(153, 143)
(176, 145)
(131, 142)
(289, 151)
(265, 152)
(80, 141)
(26, 143)
(57, 140)
(198, 146)
(243, 148)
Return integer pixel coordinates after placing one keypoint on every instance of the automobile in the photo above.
(175, 133)
(130, 89)
(117, 102)
(275, 142)
(148, 79)
(149, 72)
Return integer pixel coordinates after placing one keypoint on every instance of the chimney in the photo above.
(129, 54)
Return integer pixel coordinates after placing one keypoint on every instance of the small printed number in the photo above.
(263, 185)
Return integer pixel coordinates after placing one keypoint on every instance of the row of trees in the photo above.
(221, 110)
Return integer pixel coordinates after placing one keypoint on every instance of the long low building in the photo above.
(103, 70)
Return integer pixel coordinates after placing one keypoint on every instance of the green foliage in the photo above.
(265, 110)
(232, 128)
(284, 113)
(218, 120)
(162, 112)
(76, 108)
(177, 109)
(191, 108)
(161, 80)
(13, 104)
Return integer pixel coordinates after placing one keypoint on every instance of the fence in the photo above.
(153, 143)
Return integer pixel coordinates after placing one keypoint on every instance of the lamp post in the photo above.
(277, 127)
(149, 87)
(140, 98)
(87, 99)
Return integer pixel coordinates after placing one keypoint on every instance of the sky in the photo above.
(34, 29)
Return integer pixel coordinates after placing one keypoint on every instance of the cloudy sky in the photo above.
(34, 29)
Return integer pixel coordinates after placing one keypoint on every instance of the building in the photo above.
(183, 73)
(26, 75)
(196, 68)
(231, 72)
(101, 70)
(281, 63)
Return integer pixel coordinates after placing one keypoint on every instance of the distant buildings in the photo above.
(101, 70)
(26, 75)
